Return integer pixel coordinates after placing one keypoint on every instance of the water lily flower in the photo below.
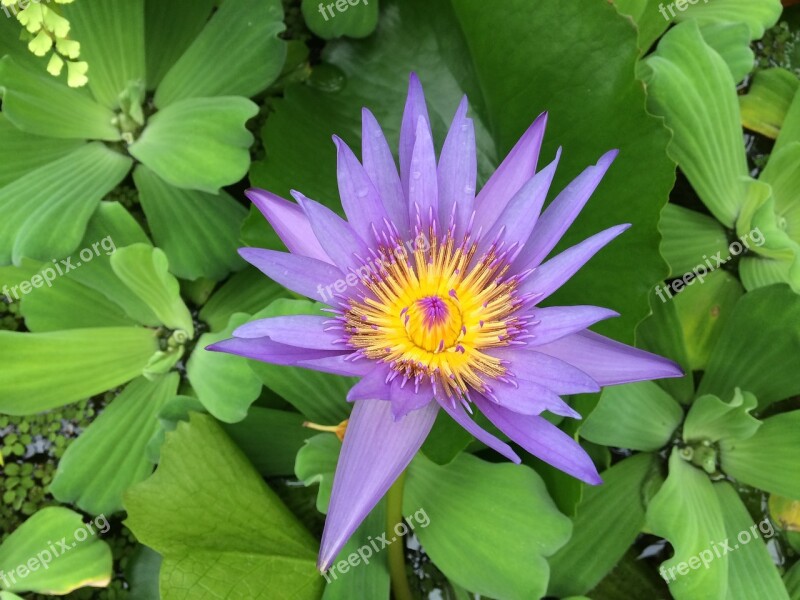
(434, 296)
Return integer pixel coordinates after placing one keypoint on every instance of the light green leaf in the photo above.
(199, 143)
(767, 101)
(316, 463)
(145, 270)
(640, 416)
(238, 53)
(34, 205)
(37, 103)
(690, 85)
(204, 478)
(650, 21)
(446, 439)
(111, 34)
(689, 236)
(85, 562)
(758, 15)
(109, 456)
(731, 40)
(790, 132)
(712, 419)
(46, 370)
(357, 19)
(141, 574)
(463, 503)
(205, 243)
(609, 518)
(686, 512)
(766, 370)
(224, 383)
(768, 459)
(792, 581)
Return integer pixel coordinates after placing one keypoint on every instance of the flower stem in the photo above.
(397, 558)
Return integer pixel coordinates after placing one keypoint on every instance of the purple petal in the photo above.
(562, 212)
(550, 276)
(517, 168)
(553, 373)
(375, 451)
(528, 398)
(542, 439)
(306, 276)
(423, 188)
(557, 321)
(457, 171)
(414, 109)
(379, 165)
(335, 235)
(340, 364)
(304, 331)
(289, 222)
(460, 416)
(405, 398)
(372, 386)
(269, 351)
(609, 362)
(361, 202)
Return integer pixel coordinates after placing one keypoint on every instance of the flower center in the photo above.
(432, 323)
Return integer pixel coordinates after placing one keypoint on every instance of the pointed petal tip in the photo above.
(608, 157)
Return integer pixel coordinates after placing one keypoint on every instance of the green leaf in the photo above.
(689, 238)
(37, 103)
(758, 15)
(790, 132)
(316, 463)
(112, 42)
(141, 574)
(199, 143)
(109, 456)
(34, 205)
(354, 19)
(86, 561)
(766, 370)
(768, 459)
(238, 53)
(594, 48)
(751, 572)
(686, 512)
(46, 370)
(640, 416)
(145, 270)
(205, 243)
(792, 580)
(609, 518)
(767, 101)
(712, 419)
(224, 383)
(731, 40)
(504, 506)
(650, 22)
(204, 478)
(689, 84)
(446, 439)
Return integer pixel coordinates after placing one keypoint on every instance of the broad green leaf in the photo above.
(712, 419)
(768, 459)
(247, 291)
(316, 463)
(633, 578)
(21, 153)
(767, 101)
(686, 511)
(785, 512)
(38, 103)
(46, 370)
(446, 439)
(111, 35)
(790, 131)
(355, 19)
(758, 15)
(29, 563)
(609, 518)
(649, 20)
(766, 370)
(689, 238)
(640, 416)
(751, 572)
(270, 439)
(690, 85)
(34, 206)
(703, 311)
(198, 143)
(164, 42)
(256, 549)
(145, 270)
(505, 506)
(320, 397)
(792, 581)
(141, 574)
(109, 456)
(731, 40)
(224, 383)
(205, 243)
(238, 53)
(509, 80)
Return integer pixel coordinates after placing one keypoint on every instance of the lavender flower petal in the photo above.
(457, 172)
(304, 331)
(361, 202)
(553, 373)
(460, 416)
(555, 322)
(414, 109)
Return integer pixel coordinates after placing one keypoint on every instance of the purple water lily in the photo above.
(434, 297)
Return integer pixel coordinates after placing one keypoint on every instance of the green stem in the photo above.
(397, 554)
